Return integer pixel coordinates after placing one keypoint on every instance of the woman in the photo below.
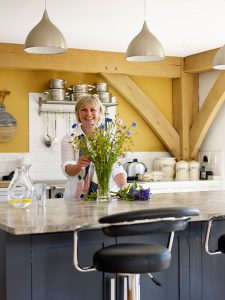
(79, 170)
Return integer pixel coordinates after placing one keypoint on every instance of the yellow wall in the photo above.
(20, 82)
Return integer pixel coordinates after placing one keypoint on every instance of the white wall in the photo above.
(214, 143)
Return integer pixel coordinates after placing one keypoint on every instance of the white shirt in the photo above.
(70, 157)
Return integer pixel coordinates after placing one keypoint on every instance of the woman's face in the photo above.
(89, 114)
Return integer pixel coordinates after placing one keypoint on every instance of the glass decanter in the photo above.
(20, 189)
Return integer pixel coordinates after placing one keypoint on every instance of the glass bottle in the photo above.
(204, 168)
(20, 189)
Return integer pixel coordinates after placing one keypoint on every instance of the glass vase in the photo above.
(103, 192)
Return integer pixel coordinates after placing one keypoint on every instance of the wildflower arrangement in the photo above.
(107, 144)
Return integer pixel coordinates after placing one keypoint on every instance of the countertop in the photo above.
(61, 215)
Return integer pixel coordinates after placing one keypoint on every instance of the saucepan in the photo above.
(101, 87)
(57, 83)
(56, 94)
(105, 97)
(81, 88)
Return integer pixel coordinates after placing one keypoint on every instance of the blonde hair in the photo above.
(93, 99)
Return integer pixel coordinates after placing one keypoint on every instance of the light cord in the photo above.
(145, 10)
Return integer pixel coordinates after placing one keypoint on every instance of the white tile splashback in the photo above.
(46, 162)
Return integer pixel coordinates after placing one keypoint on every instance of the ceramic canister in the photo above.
(182, 170)
(167, 166)
(194, 170)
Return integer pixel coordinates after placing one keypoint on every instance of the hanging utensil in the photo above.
(55, 140)
(69, 123)
(48, 140)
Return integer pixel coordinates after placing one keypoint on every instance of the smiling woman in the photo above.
(90, 156)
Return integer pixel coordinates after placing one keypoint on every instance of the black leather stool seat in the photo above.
(132, 258)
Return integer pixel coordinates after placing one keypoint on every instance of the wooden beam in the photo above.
(147, 109)
(200, 62)
(185, 104)
(207, 114)
(86, 61)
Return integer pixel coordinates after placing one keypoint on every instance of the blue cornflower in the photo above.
(74, 125)
(134, 124)
(108, 120)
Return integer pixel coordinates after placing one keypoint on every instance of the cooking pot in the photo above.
(134, 168)
(56, 94)
(81, 88)
(105, 97)
(57, 83)
(101, 87)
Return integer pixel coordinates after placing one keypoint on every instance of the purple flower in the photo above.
(135, 194)
(139, 194)
(120, 122)
(74, 125)
(133, 124)
(102, 126)
(128, 133)
(145, 194)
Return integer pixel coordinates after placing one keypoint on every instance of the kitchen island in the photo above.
(36, 250)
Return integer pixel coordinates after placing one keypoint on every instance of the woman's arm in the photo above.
(74, 169)
(72, 164)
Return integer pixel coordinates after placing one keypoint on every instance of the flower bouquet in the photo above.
(108, 143)
(134, 192)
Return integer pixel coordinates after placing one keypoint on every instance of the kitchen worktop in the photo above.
(61, 215)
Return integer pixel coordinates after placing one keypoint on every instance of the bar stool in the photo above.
(133, 259)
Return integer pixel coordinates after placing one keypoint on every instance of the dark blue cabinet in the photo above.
(40, 267)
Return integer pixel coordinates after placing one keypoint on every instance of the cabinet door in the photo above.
(53, 274)
(213, 266)
(170, 279)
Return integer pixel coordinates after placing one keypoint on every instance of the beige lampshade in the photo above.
(145, 47)
(219, 59)
(45, 38)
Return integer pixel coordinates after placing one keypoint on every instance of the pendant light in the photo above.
(145, 47)
(45, 38)
(219, 59)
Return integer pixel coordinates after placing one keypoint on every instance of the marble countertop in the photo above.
(61, 215)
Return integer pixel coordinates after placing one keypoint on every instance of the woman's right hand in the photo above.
(83, 162)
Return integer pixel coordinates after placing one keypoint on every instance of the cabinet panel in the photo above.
(53, 274)
(213, 266)
(170, 278)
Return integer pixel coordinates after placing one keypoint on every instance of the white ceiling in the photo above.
(184, 27)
